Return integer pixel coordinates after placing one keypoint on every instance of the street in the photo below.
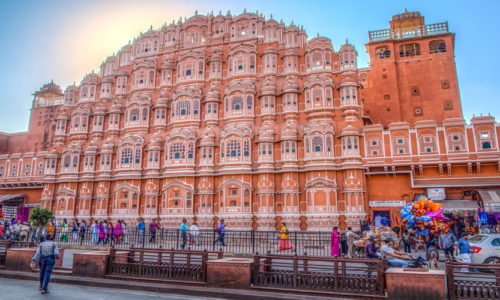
(28, 290)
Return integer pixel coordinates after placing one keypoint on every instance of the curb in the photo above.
(195, 289)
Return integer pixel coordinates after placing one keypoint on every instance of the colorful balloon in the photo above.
(424, 216)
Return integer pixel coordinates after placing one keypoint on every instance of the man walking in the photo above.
(464, 249)
(446, 242)
(141, 228)
(152, 231)
(350, 236)
(184, 233)
(221, 230)
(45, 256)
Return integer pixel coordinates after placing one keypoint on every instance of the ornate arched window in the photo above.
(317, 144)
(126, 156)
(183, 108)
(66, 161)
(233, 148)
(237, 103)
(134, 115)
(177, 151)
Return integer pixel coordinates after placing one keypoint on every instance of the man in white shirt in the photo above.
(394, 258)
(194, 232)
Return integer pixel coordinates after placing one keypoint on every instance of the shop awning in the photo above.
(491, 199)
(451, 205)
(12, 198)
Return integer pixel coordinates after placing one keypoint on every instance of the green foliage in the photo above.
(40, 216)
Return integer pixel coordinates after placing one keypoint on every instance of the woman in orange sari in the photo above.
(284, 240)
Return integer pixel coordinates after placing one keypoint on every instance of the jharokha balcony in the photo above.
(408, 33)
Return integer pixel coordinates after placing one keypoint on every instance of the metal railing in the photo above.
(408, 33)
(473, 281)
(364, 277)
(4, 245)
(243, 242)
(160, 264)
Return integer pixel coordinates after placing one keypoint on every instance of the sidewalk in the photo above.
(194, 290)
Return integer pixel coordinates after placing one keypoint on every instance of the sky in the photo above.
(63, 40)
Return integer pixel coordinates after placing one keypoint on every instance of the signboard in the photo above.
(387, 203)
(436, 193)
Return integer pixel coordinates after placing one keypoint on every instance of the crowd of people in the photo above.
(398, 248)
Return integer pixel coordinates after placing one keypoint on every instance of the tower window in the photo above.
(415, 91)
(445, 84)
(409, 50)
(437, 46)
(486, 145)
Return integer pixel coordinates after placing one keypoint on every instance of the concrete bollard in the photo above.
(415, 284)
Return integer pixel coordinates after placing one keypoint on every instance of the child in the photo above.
(432, 255)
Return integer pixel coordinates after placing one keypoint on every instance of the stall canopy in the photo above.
(491, 199)
(451, 205)
(12, 199)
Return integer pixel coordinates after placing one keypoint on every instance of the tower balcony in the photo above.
(407, 33)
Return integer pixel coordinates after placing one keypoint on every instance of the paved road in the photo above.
(28, 290)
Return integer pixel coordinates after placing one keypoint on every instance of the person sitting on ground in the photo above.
(394, 257)
(371, 248)
(432, 254)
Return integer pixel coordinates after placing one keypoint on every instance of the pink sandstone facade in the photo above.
(246, 119)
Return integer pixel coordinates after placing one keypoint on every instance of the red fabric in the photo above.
(284, 245)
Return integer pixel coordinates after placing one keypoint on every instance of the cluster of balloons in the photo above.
(424, 216)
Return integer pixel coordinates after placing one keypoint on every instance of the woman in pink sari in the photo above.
(335, 242)
(117, 235)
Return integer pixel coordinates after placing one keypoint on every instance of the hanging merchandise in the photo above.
(424, 216)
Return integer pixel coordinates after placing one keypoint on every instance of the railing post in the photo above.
(204, 268)
(112, 255)
(295, 241)
(214, 239)
(141, 261)
(451, 281)
(336, 274)
(171, 265)
(295, 270)
(177, 239)
(381, 276)
(256, 268)
(252, 237)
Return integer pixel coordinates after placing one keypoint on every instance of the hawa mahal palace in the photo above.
(247, 119)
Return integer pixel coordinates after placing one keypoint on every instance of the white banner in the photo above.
(387, 203)
(436, 193)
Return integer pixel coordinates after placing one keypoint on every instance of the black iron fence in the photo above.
(4, 245)
(473, 281)
(232, 241)
(340, 276)
(160, 264)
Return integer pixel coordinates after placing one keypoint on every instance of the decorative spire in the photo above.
(271, 17)
(244, 10)
(196, 12)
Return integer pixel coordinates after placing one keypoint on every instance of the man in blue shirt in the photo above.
(184, 233)
(464, 249)
(141, 228)
(221, 230)
(45, 257)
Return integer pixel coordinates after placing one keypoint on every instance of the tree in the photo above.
(39, 217)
